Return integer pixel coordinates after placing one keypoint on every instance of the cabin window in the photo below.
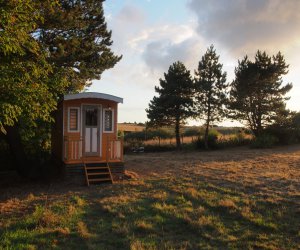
(91, 117)
(108, 120)
(73, 119)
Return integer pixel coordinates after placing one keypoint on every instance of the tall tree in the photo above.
(24, 71)
(257, 93)
(47, 48)
(78, 42)
(210, 90)
(174, 102)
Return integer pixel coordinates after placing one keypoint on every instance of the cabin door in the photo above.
(91, 130)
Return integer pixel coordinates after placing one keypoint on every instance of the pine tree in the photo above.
(257, 94)
(174, 102)
(76, 36)
(210, 90)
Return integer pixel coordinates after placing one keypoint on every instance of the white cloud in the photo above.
(235, 27)
(247, 25)
(131, 14)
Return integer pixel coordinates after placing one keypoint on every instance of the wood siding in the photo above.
(77, 141)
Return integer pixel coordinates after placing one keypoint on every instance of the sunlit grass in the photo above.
(179, 211)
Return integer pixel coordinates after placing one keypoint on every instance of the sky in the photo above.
(152, 34)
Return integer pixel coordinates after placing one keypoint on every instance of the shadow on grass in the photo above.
(160, 214)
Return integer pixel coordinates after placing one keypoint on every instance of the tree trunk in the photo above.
(206, 135)
(207, 128)
(178, 142)
(14, 141)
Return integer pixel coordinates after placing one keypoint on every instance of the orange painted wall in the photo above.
(90, 101)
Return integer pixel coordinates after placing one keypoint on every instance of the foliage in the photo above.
(296, 125)
(194, 131)
(136, 139)
(235, 140)
(24, 70)
(257, 93)
(210, 88)
(232, 130)
(174, 103)
(217, 140)
(78, 42)
(286, 127)
(135, 136)
(120, 134)
(47, 48)
(158, 134)
(264, 140)
(212, 140)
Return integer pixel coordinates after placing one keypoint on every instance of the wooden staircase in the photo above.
(97, 173)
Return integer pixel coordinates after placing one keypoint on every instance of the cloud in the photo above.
(160, 54)
(131, 14)
(161, 45)
(248, 25)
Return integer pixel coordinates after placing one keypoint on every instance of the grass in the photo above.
(234, 199)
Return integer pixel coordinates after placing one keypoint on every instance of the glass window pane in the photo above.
(73, 122)
(91, 117)
(108, 123)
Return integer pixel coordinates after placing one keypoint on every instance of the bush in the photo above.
(265, 141)
(286, 127)
(283, 135)
(236, 140)
(212, 140)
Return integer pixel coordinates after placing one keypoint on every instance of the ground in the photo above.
(236, 198)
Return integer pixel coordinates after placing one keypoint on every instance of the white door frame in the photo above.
(99, 131)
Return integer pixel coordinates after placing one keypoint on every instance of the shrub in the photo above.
(286, 127)
(283, 135)
(236, 140)
(264, 141)
(212, 140)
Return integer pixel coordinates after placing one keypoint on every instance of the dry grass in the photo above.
(231, 199)
(83, 230)
(266, 170)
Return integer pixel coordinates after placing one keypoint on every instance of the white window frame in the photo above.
(78, 120)
(112, 118)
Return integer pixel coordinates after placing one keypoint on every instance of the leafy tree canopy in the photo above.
(48, 48)
(24, 68)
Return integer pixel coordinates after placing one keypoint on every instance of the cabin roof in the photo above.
(94, 95)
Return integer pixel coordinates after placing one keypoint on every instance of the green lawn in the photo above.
(203, 206)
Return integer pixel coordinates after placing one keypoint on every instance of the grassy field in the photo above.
(229, 199)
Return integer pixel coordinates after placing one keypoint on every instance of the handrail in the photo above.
(72, 149)
(115, 150)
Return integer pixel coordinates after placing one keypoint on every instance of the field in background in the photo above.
(235, 198)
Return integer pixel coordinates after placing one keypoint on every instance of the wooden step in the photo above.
(103, 173)
(91, 168)
(100, 179)
(92, 171)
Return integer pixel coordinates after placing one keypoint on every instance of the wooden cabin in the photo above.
(85, 135)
